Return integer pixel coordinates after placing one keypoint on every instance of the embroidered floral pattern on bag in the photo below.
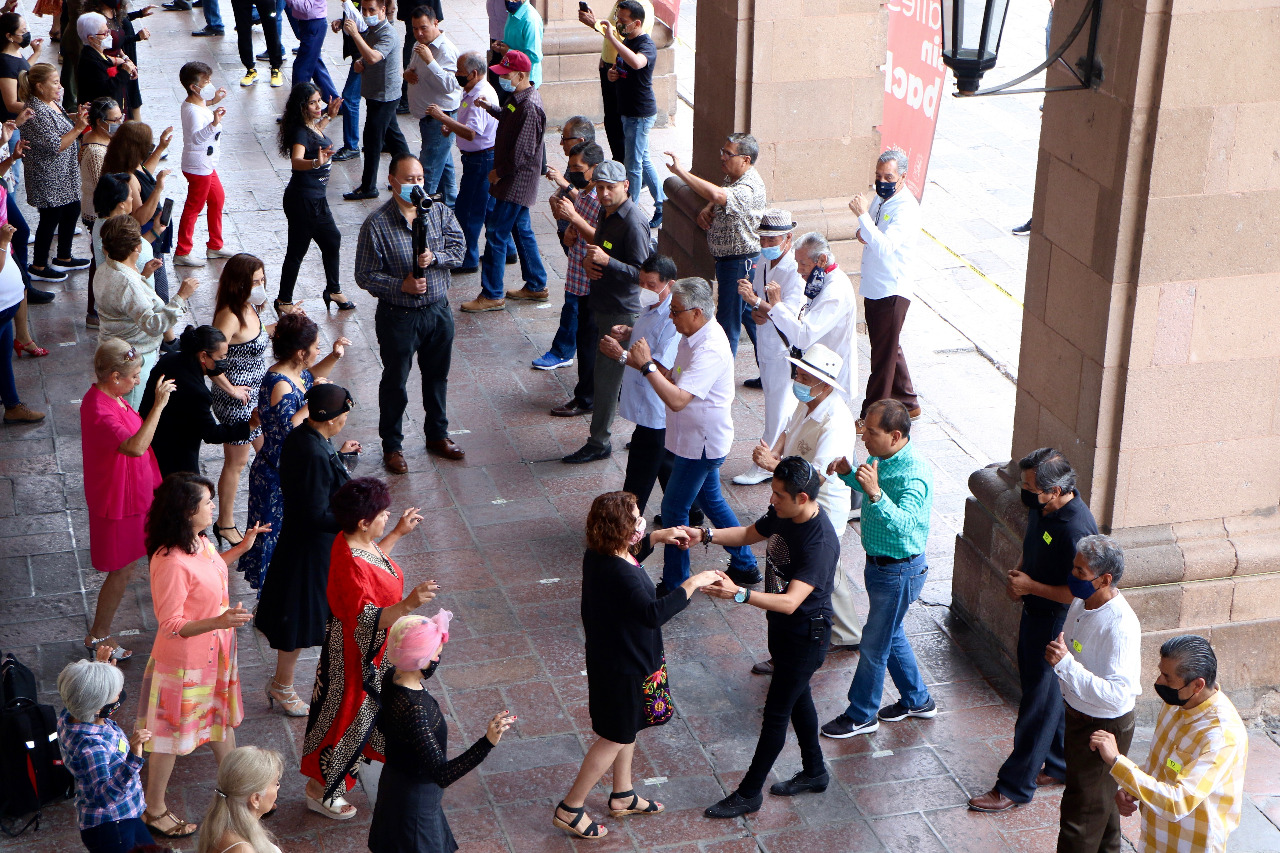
(657, 697)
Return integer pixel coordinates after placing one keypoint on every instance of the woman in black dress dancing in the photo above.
(408, 817)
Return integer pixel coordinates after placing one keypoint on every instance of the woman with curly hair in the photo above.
(191, 687)
(622, 617)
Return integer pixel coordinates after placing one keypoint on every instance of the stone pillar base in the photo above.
(1216, 578)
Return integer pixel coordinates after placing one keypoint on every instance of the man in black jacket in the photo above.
(188, 419)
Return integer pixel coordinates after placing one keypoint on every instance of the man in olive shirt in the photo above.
(1057, 518)
(620, 246)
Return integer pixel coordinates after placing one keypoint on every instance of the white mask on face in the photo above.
(648, 298)
(107, 42)
(258, 296)
(207, 92)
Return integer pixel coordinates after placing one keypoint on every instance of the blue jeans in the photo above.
(891, 589)
(731, 311)
(21, 235)
(697, 478)
(565, 343)
(309, 65)
(280, 13)
(474, 200)
(506, 223)
(119, 836)
(212, 14)
(351, 111)
(8, 388)
(635, 132)
(437, 160)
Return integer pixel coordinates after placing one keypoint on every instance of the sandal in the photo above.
(288, 699)
(331, 808)
(180, 828)
(30, 348)
(118, 652)
(222, 540)
(652, 808)
(591, 833)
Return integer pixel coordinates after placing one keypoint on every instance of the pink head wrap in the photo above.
(413, 640)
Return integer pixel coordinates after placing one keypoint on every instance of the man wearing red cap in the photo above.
(513, 183)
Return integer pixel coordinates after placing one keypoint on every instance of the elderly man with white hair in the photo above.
(888, 226)
(103, 760)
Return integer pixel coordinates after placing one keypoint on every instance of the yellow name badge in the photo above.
(1076, 647)
(511, 107)
(1173, 765)
(607, 244)
(124, 745)
(1048, 540)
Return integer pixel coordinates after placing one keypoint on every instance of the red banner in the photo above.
(914, 80)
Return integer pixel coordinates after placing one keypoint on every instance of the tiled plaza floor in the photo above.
(502, 537)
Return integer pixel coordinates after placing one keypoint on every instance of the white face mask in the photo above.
(648, 298)
(107, 42)
(207, 92)
(258, 296)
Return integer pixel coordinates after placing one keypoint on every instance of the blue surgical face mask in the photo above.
(371, 20)
(886, 189)
(803, 392)
(1080, 588)
(506, 84)
(406, 192)
(771, 253)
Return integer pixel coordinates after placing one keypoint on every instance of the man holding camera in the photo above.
(413, 317)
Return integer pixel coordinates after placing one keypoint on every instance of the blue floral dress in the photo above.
(266, 506)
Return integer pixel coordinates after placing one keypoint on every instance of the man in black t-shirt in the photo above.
(1057, 519)
(800, 568)
(633, 74)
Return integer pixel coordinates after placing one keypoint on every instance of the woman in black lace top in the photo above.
(408, 817)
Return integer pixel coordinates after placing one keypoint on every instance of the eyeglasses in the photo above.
(725, 152)
(682, 310)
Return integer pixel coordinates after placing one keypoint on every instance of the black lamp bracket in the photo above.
(1090, 67)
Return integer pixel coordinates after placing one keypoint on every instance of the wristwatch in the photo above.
(622, 359)
(742, 596)
(649, 367)
(879, 495)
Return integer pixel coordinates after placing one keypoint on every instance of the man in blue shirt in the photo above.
(898, 485)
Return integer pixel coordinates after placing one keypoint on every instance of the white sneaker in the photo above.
(753, 476)
(224, 252)
(188, 261)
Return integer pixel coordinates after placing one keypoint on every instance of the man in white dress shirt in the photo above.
(698, 394)
(889, 226)
(432, 75)
(1097, 658)
(778, 265)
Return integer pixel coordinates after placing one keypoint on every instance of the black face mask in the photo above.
(111, 707)
(219, 367)
(1030, 500)
(577, 180)
(1170, 695)
(886, 189)
(431, 669)
(26, 40)
(462, 79)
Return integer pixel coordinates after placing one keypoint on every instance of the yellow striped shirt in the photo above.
(1193, 786)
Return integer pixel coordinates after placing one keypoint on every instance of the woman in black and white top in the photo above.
(302, 140)
(52, 169)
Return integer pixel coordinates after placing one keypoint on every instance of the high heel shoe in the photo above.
(32, 349)
(222, 540)
(288, 698)
(344, 305)
(283, 308)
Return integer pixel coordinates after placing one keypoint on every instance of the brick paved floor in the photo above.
(502, 536)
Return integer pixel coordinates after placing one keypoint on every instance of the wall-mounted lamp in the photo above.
(971, 38)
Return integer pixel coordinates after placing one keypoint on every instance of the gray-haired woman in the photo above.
(104, 762)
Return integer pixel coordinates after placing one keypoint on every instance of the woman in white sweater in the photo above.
(127, 307)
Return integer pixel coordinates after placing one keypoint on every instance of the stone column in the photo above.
(805, 79)
(571, 57)
(1150, 344)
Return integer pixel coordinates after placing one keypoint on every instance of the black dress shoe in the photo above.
(209, 31)
(801, 784)
(360, 195)
(177, 6)
(735, 806)
(571, 409)
(345, 153)
(753, 383)
(513, 259)
(587, 453)
(696, 518)
(36, 296)
(466, 270)
(742, 578)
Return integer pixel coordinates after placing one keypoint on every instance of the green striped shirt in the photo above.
(897, 525)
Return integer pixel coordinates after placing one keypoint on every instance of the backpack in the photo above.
(31, 770)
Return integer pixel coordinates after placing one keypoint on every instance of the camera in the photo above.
(423, 199)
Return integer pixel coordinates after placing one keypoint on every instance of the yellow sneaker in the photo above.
(250, 77)
(277, 79)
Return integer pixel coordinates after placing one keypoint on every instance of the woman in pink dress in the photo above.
(191, 688)
(120, 476)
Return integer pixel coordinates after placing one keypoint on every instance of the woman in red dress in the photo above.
(120, 476)
(366, 597)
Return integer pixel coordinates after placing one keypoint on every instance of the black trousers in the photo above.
(1037, 736)
(62, 219)
(612, 118)
(243, 12)
(889, 376)
(309, 219)
(381, 133)
(649, 460)
(588, 343)
(795, 659)
(1090, 820)
(404, 333)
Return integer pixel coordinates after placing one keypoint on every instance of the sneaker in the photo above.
(20, 414)
(188, 261)
(91, 321)
(551, 362)
(843, 726)
(526, 293)
(36, 296)
(250, 77)
(656, 221)
(49, 273)
(69, 264)
(210, 31)
(483, 303)
(265, 56)
(743, 578)
(1024, 229)
(277, 78)
(224, 252)
(899, 711)
(753, 476)
(344, 153)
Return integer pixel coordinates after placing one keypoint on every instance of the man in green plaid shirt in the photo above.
(898, 484)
